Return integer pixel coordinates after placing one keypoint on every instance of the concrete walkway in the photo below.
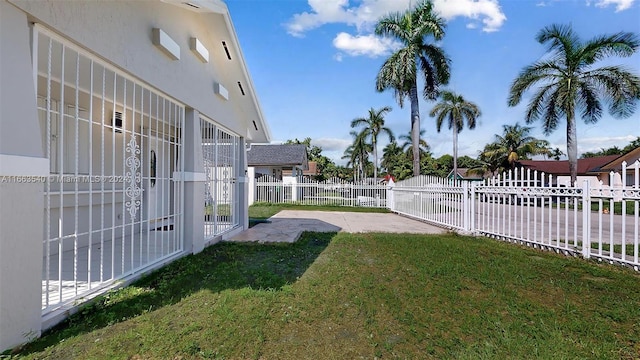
(287, 225)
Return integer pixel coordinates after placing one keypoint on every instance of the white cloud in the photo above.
(594, 144)
(620, 5)
(369, 45)
(364, 15)
(322, 12)
(338, 11)
(333, 148)
(331, 144)
(488, 11)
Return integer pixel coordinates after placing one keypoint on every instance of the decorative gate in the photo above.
(221, 154)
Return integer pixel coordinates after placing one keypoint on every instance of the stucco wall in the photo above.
(17, 100)
(20, 204)
(121, 32)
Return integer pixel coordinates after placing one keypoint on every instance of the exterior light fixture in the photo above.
(199, 49)
(166, 44)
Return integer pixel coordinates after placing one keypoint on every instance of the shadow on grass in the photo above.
(219, 267)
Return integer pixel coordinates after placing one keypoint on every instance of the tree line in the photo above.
(566, 85)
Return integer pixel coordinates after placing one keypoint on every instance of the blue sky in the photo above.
(314, 63)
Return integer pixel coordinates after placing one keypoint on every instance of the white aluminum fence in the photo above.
(335, 192)
(433, 199)
(591, 219)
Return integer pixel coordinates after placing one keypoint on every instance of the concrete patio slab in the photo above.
(287, 225)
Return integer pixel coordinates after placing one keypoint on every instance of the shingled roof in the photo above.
(585, 166)
(278, 155)
(631, 158)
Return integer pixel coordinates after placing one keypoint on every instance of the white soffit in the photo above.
(199, 49)
(200, 6)
(221, 91)
(165, 43)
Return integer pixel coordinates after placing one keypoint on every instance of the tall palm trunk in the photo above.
(455, 151)
(375, 159)
(415, 127)
(572, 147)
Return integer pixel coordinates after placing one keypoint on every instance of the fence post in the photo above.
(251, 175)
(586, 220)
(390, 203)
(472, 203)
(465, 205)
(294, 188)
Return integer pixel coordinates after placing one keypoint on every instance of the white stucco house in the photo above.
(123, 135)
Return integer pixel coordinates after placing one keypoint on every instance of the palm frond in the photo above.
(622, 44)
(544, 71)
(536, 106)
(428, 23)
(391, 26)
(550, 116)
(560, 38)
(619, 87)
(588, 102)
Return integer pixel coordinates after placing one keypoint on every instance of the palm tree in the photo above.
(407, 145)
(515, 144)
(400, 71)
(455, 109)
(391, 155)
(358, 154)
(556, 154)
(374, 126)
(567, 82)
(402, 170)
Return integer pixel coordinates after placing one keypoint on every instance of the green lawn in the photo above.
(267, 210)
(347, 296)
(630, 206)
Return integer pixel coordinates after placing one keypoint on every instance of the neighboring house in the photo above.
(277, 160)
(463, 174)
(632, 160)
(118, 122)
(279, 163)
(313, 171)
(387, 179)
(560, 169)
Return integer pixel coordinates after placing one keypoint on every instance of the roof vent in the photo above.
(192, 5)
(226, 50)
(117, 121)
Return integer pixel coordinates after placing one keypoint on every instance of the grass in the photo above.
(267, 210)
(223, 210)
(345, 296)
(617, 248)
(617, 207)
(595, 206)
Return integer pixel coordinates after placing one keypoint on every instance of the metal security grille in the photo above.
(221, 154)
(112, 206)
